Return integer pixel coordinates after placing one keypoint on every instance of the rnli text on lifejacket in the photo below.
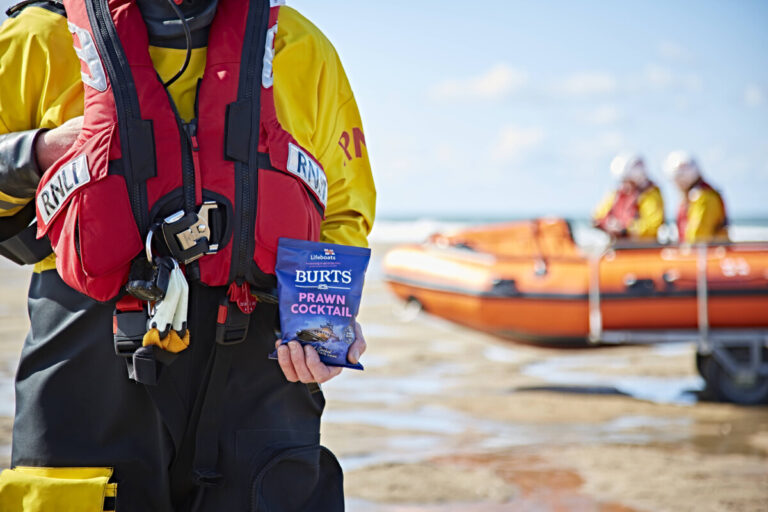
(70, 177)
(305, 168)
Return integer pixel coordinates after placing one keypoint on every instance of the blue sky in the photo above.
(512, 108)
(516, 108)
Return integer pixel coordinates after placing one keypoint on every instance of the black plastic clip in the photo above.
(231, 323)
(129, 324)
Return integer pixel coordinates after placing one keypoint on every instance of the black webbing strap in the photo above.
(206, 459)
(18, 237)
(232, 329)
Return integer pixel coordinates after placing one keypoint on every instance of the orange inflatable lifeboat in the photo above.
(529, 281)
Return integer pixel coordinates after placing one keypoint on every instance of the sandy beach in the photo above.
(446, 419)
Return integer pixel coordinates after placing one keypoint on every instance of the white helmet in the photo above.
(631, 167)
(682, 168)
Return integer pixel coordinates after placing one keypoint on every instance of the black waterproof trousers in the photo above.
(76, 407)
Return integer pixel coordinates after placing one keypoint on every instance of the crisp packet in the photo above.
(319, 287)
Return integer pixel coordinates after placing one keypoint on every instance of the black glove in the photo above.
(19, 171)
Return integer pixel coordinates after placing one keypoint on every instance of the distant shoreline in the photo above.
(752, 220)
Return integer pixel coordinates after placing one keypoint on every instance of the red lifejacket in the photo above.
(136, 162)
(682, 212)
(624, 208)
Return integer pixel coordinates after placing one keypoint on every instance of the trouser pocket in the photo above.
(35, 489)
(299, 479)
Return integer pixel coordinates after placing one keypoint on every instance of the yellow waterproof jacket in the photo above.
(702, 216)
(649, 215)
(40, 87)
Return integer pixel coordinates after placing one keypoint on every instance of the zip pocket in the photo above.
(299, 479)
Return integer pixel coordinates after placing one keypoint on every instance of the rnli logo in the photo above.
(305, 168)
(70, 177)
(329, 252)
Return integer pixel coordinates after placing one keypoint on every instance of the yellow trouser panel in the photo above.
(28, 489)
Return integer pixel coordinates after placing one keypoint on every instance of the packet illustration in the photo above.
(319, 286)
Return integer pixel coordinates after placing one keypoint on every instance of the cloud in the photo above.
(660, 77)
(603, 115)
(495, 83)
(587, 83)
(754, 96)
(514, 141)
(671, 50)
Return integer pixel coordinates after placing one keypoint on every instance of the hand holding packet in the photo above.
(319, 286)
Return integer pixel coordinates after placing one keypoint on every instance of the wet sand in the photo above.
(444, 419)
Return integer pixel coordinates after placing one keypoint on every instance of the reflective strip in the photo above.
(10, 212)
(5, 205)
(267, 77)
(15, 201)
(88, 54)
(10, 205)
(275, 3)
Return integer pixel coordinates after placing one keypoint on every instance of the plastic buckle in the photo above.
(128, 328)
(145, 368)
(188, 235)
(231, 323)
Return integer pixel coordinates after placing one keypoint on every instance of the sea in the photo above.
(413, 229)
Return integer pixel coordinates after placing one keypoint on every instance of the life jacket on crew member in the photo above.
(682, 214)
(624, 208)
(217, 192)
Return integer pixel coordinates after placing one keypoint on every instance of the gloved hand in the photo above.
(167, 327)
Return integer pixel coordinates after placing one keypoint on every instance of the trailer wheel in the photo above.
(725, 387)
(700, 358)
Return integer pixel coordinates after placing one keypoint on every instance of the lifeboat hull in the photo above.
(530, 282)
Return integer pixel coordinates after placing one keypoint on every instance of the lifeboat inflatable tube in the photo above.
(529, 281)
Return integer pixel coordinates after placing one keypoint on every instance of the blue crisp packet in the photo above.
(319, 287)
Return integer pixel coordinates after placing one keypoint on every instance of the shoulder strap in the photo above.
(49, 5)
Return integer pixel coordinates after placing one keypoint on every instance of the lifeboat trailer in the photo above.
(732, 361)
(732, 356)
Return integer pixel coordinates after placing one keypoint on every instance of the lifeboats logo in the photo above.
(326, 255)
(70, 177)
(307, 170)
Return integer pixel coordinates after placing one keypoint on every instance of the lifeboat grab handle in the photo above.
(595, 316)
(702, 300)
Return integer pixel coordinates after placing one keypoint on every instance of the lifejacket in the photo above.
(219, 190)
(682, 212)
(625, 207)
